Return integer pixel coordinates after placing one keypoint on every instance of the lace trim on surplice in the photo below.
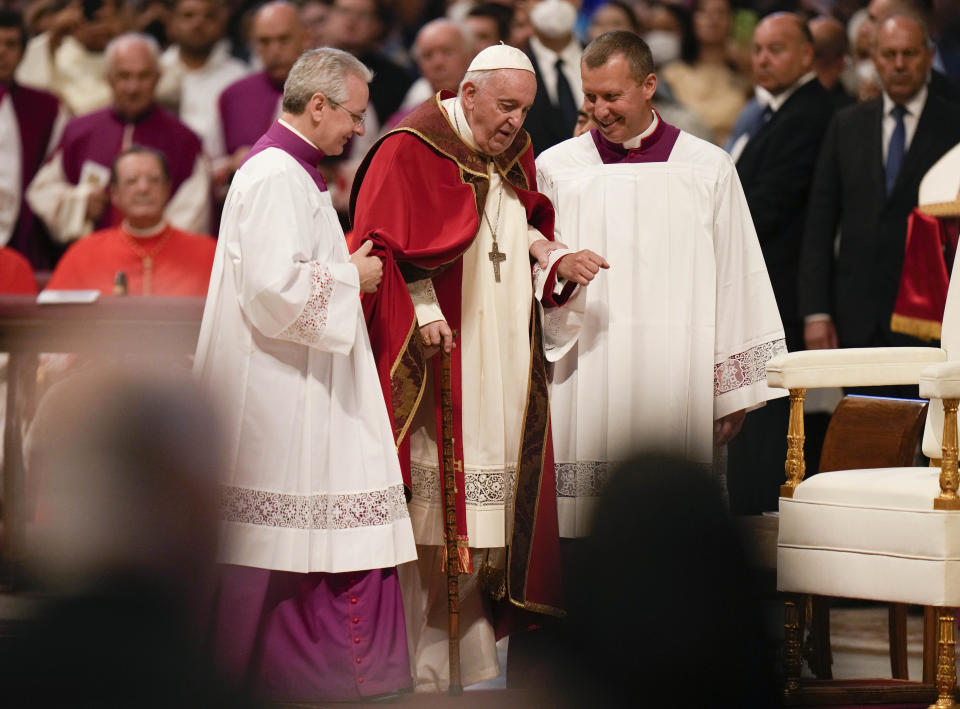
(745, 368)
(308, 327)
(583, 479)
(482, 488)
(346, 511)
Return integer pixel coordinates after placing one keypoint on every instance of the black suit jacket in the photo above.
(858, 287)
(776, 169)
(544, 122)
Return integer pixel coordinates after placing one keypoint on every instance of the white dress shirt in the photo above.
(910, 119)
(546, 64)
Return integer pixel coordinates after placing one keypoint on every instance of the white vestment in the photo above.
(193, 93)
(313, 480)
(676, 334)
(494, 347)
(77, 76)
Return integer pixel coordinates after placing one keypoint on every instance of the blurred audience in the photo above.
(121, 569)
(612, 15)
(314, 15)
(830, 57)
(357, 26)
(443, 50)
(70, 191)
(489, 24)
(704, 79)
(154, 257)
(69, 59)
(866, 183)
(197, 67)
(555, 54)
(31, 121)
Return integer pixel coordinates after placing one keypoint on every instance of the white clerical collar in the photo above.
(459, 120)
(636, 141)
(297, 133)
(914, 106)
(144, 233)
(765, 98)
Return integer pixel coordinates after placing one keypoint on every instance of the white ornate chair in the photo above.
(887, 534)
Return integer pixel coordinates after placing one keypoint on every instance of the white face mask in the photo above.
(664, 45)
(553, 18)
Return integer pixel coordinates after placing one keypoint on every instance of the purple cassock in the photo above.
(100, 136)
(36, 113)
(248, 107)
(311, 636)
(656, 147)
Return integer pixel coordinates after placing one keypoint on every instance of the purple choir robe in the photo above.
(248, 107)
(99, 137)
(311, 636)
(36, 113)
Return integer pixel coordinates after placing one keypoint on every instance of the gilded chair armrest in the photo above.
(940, 381)
(867, 366)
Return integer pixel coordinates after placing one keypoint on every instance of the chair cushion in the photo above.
(870, 534)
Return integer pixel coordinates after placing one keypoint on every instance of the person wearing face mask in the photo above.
(674, 344)
(450, 200)
(313, 514)
(555, 54)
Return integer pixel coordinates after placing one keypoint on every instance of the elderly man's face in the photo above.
(442, 56)
(133, 76)
(140, 189)
(781, 54)
(497, 107)
(11, 52)
(902, 58)
(615, 101)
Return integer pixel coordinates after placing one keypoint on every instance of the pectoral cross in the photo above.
(496, 258)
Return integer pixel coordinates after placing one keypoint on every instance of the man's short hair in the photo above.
(11, 19)
(628, 44)
(136, 149)
(501, 14)
(129, 37)
(321, 71)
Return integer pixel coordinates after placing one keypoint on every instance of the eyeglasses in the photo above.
(358, 118)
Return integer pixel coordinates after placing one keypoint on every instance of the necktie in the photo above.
(565, 102)
(897, 147)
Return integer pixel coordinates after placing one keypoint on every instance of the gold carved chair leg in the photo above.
(946, 658)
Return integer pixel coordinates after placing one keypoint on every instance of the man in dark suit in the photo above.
(555, 54)
(866, 181)
(775, 160)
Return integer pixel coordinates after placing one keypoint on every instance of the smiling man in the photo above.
(450, 198)
(70, 192)
(314, 517)
(675, 340)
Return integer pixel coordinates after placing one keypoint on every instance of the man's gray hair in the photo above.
(321, 71)
(477, 78)
(120, 41)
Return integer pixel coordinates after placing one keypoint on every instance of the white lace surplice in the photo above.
(676, 334)
(313, 481)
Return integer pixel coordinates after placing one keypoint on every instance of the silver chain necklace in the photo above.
(496, 256)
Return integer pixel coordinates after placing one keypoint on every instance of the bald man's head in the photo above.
(830, 46)
(278, 36)
(443, 51)
(782, 51)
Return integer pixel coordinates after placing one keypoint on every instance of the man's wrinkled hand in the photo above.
(436, 335)
(820, 335)
(541, 248)
(581, 267)
(725, 428)
(369, 267)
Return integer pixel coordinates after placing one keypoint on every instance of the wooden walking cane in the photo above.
(450, 523)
